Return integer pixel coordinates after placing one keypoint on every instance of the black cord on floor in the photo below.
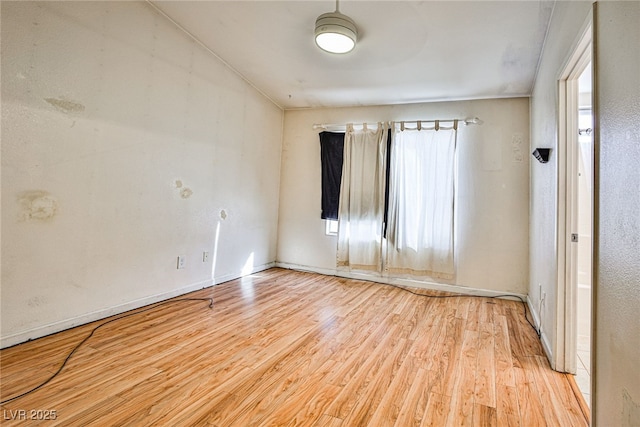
(524, 304)
(210, 300)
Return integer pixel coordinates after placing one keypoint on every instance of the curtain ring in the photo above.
(402, 126)
(455, 124)
(419, 124)
(437, 124)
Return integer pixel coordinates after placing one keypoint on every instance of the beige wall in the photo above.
(493, 189)
(122, 141)
(616, 387)
(617, 278)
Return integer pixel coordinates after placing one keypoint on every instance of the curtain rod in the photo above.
(466, 122)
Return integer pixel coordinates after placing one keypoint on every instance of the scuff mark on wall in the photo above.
(37, 205)
(65, 105)
(185, 193)
(630, 410)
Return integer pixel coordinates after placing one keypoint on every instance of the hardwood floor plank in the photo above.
(311, 400)
(364, 369)
(484, 416)
(462, 307)
(473, 318)
(270, 383)
(522, 338)
(353, 355)
(437, 411)
(503, 360)
(91, 415)
(387, 409)
(485, 387)
(414, 404)
(560, 394)
(462, 395)
(445, 360)
(507, 410)
(531, 412)
(287, 348)
(295, 368)
(487, 310)
(328, 421)
(382, 385)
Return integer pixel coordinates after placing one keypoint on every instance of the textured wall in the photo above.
(123, 141)
(567, 22)
(617, 281)
(493, 188)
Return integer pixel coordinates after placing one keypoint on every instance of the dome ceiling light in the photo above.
(335, 32)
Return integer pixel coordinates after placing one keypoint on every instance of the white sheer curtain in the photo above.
(361, 209)
(420, 233)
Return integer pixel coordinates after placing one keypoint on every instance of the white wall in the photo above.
(493, 192)
(122, 142)
(567, 23)
(615, 390)
(617, 278)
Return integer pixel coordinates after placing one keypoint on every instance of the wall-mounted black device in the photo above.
(542, 154)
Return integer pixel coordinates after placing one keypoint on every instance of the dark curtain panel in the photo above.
(386, 184)
(331, 155)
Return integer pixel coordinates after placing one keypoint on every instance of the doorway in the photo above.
(575, 216)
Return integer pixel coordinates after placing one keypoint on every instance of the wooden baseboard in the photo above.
(579, 397)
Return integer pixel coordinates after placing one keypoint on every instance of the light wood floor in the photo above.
(290, 348)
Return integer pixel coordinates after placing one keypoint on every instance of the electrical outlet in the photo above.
(205, 256)
(180, 262)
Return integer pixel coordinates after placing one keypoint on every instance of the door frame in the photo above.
(567, 212)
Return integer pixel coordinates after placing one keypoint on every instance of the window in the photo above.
(331, 227)
(406, 197)
(421, 203)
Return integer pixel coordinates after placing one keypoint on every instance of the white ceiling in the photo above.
(408, 51)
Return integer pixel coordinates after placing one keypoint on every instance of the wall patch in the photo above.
(37, 205)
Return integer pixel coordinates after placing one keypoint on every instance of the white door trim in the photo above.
(566, 309)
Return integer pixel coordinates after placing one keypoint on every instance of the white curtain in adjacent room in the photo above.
(361, 207)
(420, 233)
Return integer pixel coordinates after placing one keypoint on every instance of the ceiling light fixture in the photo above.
(335, 32)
